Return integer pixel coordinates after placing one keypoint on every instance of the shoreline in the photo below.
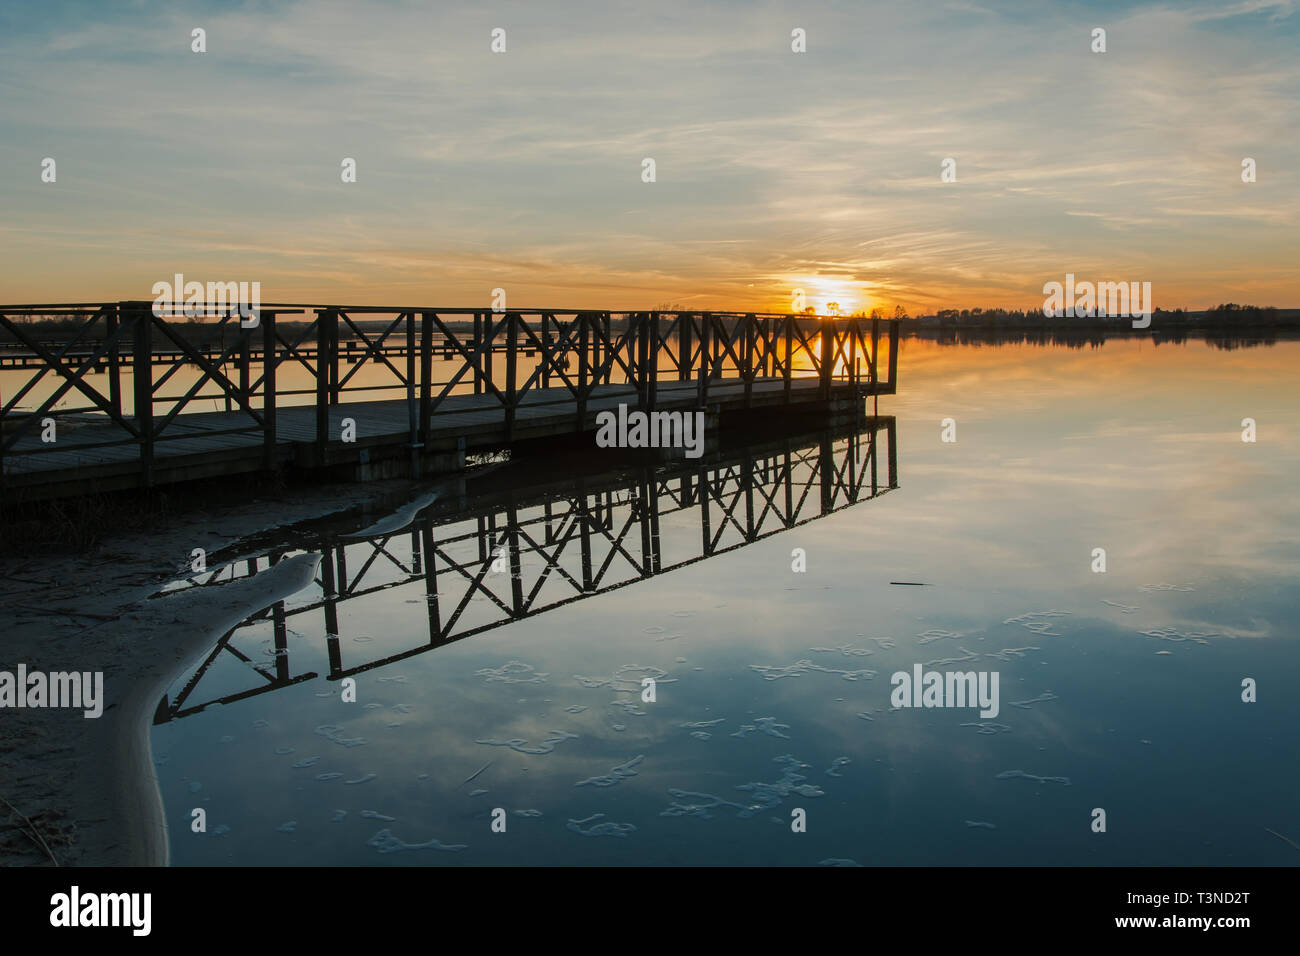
(89, 785)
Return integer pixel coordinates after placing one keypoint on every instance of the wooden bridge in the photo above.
(163, 398)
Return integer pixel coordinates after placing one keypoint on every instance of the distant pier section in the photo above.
(112, 396)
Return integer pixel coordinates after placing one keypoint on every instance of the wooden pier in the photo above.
(169, 400)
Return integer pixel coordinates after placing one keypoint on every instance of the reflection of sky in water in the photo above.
(1129, 448)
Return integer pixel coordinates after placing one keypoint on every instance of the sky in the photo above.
(774, 170)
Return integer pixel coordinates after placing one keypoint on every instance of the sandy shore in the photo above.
(89, 785)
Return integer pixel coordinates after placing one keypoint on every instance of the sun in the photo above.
(825, 296)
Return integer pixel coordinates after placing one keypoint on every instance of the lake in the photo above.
(769, 623)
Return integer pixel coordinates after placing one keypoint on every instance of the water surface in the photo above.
(773, 686)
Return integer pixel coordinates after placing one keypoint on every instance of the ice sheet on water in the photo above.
(765, 795)
(477, 793)
(704, 723)
(220, 830)
(288, 827)
(798, 668)
(512, 672)
(981, 824)
(365, 778)
(1123, 608)
(616, 775)
(1007, 653)
(284, 751)
(1032, 620)
(1020, 774)
(385, 842)
(336, 733)
(600, 829)
(764, 725)
(522, 746)
(970, 656)
(701, 735)
(528, 813)
(987, 727)
(1041, 698)
(699, 805)
(376, 815)
(937, 634)
(627, 679)
(339, 816)
(1178, 637)
(328, 776)
(306, 762)
(195, 786)
(1166, 587)
(837, 861)
(771, 794)
(575, 708)
(836, 764)
(846, 650)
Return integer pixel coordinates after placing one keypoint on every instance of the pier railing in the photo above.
(137, 374)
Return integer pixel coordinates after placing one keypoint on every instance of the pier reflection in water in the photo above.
(508, 547)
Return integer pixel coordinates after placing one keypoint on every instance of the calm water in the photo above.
(773, 687)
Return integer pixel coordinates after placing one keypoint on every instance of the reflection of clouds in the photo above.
(1003, 523)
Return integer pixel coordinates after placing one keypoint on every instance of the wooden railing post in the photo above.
(607, 323)
(685, 326)
(875, 351)
(245, 355)
(478, 357)
(642, 356)
(268, 389)
(827, 358)
(652, 366)
(893, 359)
(789, 355)
(584, 369)
(323, 350)
(706, 323)
(546, 353)
(335, 390)
(114, 321)
(142, 384)
(426, 377)
(412, 415)
(747, 358)
(512, 365)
